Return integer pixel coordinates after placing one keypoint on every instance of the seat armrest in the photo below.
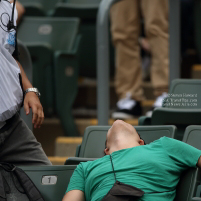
(169, 116)
(196, 199)
(77, 160)
(77, 153)
(144, 121)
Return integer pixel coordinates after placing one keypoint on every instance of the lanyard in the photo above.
(113, 168)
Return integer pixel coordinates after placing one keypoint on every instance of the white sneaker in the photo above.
(127, 108)
(158, 103)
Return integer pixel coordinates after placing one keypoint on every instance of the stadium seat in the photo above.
(189, 181)
(51, 181)
(25, 60)
(77, 160)
(192, 136)
(86, 10)
(178, 114)
(197, 28)
(93, 143)
(39, 7)
(54, 47)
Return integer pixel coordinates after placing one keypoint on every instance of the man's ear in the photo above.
(141, 142)
(106, 150)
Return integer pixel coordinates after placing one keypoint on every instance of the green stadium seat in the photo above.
(197, 17)
(82, 1)
(93, 143)
(51, 181)
(192, 136)
(39, 7)
(54, 47)
(179, 115)
(86, 10)
(25, 60)
(77, 160)
(186, 188)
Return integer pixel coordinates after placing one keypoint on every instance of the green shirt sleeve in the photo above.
(182, 153)
(77, 181)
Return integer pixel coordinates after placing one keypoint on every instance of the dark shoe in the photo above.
(133, 112)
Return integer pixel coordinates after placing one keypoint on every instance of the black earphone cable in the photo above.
(10, 26)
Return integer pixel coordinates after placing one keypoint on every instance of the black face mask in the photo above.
(121, 191)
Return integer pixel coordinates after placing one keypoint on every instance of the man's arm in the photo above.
(31, 100)
(199, 162)
(20, 10)
(74, 195)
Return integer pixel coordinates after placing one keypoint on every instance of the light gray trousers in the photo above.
(19, 146)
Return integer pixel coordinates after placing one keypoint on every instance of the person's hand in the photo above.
(32, 101)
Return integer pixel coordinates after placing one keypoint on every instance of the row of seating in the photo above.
(54, 45)
(52, 181)
(86, 11)
(93, 143)
(42, 8)
(63, 45)
(182, 108)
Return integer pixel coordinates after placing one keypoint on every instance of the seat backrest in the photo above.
(184, 93)
(51, 181)
(59, 33)
(190, 179)
(82, 1)
(46, 6)
(187, 185)
(93, 143)
(77, 160)
(192, 136)
(25, 60)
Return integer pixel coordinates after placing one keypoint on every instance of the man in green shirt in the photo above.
(154, 168)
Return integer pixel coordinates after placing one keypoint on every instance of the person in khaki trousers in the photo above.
(125, 28)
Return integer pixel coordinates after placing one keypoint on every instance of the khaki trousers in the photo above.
(125, 27)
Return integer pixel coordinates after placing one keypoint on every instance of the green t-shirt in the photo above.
(153, 168)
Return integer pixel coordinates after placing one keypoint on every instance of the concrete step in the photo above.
(47, 134)
(196, 71)
(66, 146)
(55, 160)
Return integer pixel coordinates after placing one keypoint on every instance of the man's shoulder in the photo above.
(165, 139)
(95, 162)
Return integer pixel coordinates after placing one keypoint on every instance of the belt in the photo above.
(6, 124)
(2, 124)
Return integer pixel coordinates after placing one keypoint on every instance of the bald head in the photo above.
(122, 136)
